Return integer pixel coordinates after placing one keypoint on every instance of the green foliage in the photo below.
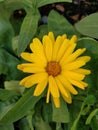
(59, 25)
(57, 113)
(18, 106)
(88, 26)
(7, 127)
(41, 3)
(28, 30)
(6, 94)
(21, 108)
(8, 65)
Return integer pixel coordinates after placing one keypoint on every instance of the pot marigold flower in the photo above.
(55, 64)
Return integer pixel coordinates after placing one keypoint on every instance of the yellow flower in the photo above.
(56, 64)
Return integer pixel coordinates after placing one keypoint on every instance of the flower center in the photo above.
(53, 68)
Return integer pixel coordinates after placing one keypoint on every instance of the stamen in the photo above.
(53, 68)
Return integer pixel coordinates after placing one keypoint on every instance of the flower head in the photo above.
(55, 63)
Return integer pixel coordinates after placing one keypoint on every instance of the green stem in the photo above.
(58, 126)
(74, 126)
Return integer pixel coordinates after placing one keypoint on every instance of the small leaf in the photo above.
(28, 30)
(92, 114)
(90, 100)
(59, 24)
(59, 126)
(61, 114)
(41, 3)
(14, 86)
(88, 25)
(40, 124)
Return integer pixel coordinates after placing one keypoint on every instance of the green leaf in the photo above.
(88, 25)
(21, 108)
(8, 65)
(91, 45)
(7, 127)
(23, 124)
(28, 30)
(6, 94)
(17, 4)
(15, 44)
(6, 30)
(85, 107)
(42, 30)
(5, 106)
(14, 86)
(59, 126)
(47, 112)
(74, 111)
(29, 119)
(92, 114)
(1, 0)
(94, 124)
(40, 124)
(41, 3)
(59, 24)
(92, 50)
(60, 114)
(90, 100)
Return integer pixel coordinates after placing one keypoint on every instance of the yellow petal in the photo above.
(84, 58)
(30, 68)
(67, 99)
(48, 47)
(37, 49)
(24, 80)
(36, 78)
(61, 88)
(62, 49)
(36, 46)
(84, 84)
(73, 39)
(40, 87)
(73, 65)
(53, 87)
(82, 71)
(67, 84)
(36, 59)
(48, 95)
(57, 45)
(64, 36)
(67, 53)
(79, 84)
(56, 102)
(74, 55)
(27, 56)
(51, 36)
(73, 75)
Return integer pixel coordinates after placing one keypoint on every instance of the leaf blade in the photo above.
(21, 108)
(27, 32)
(41, 3)
(88, 26)
(58, 26)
